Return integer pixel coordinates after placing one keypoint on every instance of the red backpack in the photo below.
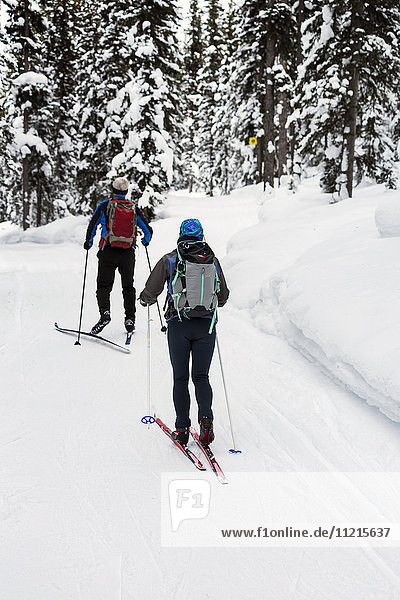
(121, 223)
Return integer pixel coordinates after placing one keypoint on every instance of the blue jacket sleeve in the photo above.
(144, 226)
(98, 218)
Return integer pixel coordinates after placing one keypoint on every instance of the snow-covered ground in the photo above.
(80, 475)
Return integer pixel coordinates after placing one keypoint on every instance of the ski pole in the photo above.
(234, 449)
(163, 328)
(148, 419)
(77, 343)
(148, 363)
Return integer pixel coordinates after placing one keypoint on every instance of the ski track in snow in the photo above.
(80, 475)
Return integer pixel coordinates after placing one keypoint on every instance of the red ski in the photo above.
(208, 453)
(184, 449)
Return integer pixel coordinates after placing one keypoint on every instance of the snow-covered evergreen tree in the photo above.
(3, 128)
(137, 99)
(225, 103)
(345, 91)
(193, 63)
(208, 85)
(303, 10)
(60, 68)
(247, 117)
(377, 56)
(265, 50)
(25, 108)
(105, 66)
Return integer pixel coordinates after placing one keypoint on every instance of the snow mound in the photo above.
(318, 275)
(338, 305)
(68, 229)
(387, 217)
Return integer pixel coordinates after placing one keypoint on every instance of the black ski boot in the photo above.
(181, 435)
(129, 324)
(206, 431)
(104, 320)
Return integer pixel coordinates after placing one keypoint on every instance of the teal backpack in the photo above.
(194, 287)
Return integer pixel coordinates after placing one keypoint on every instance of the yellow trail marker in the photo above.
(253, 141)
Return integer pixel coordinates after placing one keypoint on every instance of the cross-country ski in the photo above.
(91, 336)
(209, 455)
(182, 447)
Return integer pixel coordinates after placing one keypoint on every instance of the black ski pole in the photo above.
(77, 343)
(163, 328)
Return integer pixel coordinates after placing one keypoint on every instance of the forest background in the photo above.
(211, 98)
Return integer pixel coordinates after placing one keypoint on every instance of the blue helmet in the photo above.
(191, 227)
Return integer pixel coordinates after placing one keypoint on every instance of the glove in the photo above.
(145, 242)
(142, 302)
(87, 245)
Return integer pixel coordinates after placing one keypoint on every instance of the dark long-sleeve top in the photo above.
(163, 272)
(100, 218)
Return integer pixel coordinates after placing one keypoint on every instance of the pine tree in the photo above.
(25, 108)
(193, 63)
(263, 86)
(303, 10)
(208, 86)
(3, 129)
(60, 41)
(247, 118)
(225, 102)
(377, 58)
(278, 32)
(146, 109)
(345, 92)
(105, 65)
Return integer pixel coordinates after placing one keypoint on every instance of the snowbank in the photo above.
(68, 229)
(387, 217)
(319, 275)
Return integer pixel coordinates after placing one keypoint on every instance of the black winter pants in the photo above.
(111, 259)
(191, 337)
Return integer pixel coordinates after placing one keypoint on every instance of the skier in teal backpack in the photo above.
(196, 287)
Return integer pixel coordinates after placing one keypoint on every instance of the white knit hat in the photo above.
(120, 184)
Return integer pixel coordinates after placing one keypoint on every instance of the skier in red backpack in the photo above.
(118, 218)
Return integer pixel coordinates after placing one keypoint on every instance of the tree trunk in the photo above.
(283, 142)
(295, 168)
(259, 154)
(268, 112)
(39, 204)
(351, 116)
(352, 127)
(211, 159)
(25, 160)
(300, 17)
